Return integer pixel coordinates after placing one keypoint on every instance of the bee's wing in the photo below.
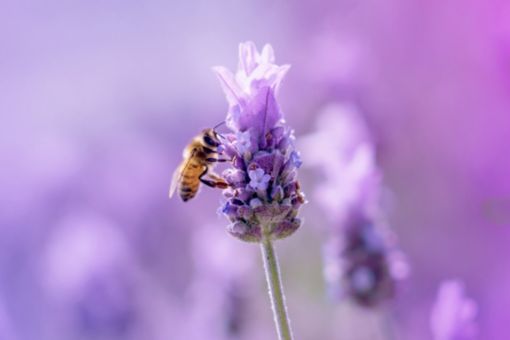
(175, 180)
(178, 173)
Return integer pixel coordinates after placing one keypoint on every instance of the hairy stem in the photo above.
(275, 289)
(387, 324)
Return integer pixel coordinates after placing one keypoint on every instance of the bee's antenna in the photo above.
(218, 125)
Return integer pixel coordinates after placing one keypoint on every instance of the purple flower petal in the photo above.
(230, 87)
(248, 57)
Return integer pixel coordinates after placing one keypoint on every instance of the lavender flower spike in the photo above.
(264, 195)
(361, 258)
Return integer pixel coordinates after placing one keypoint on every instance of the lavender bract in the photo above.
(264, 195)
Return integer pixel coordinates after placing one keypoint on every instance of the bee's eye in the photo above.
(209, 141)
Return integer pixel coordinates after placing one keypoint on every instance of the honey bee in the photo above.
(200, 157)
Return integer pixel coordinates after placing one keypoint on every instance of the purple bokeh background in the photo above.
(97, 100)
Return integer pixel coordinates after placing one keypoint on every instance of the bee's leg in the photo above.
(214, 181)
(213, 156)
(211, 152)
(217, 160)
(220, 182)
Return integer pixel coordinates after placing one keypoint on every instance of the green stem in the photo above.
(275, 289)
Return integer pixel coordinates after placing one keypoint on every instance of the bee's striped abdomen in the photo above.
(190, 182)
(188, 192)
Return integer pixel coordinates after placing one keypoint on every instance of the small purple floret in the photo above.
(259, 180)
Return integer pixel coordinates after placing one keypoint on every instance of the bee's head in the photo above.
(210, 137)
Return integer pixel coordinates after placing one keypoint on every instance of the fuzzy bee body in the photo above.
(199, 158)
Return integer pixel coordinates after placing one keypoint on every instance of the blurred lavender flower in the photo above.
(453, 315)
(264, 191)
(360, 260)
(347, 160)
(85, 271)
(219, 284)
